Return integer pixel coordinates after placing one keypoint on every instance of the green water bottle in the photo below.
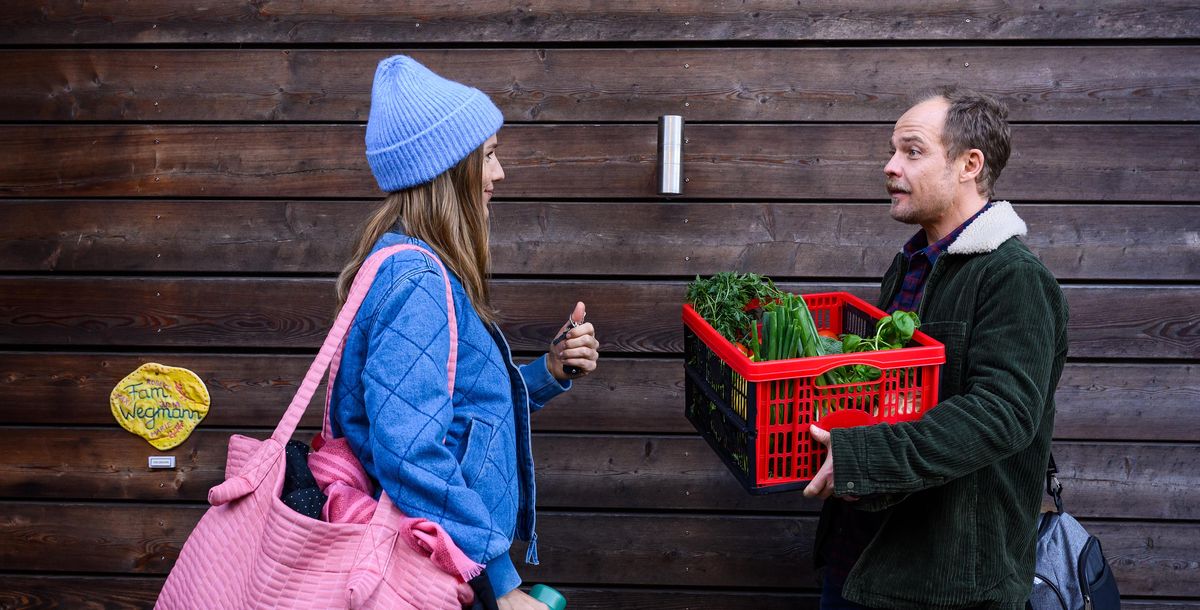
(549, 596)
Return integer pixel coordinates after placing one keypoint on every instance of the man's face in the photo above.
(919, 177)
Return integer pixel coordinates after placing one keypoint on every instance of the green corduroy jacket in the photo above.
(962, 486)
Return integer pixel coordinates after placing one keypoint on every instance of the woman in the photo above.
(463, 461)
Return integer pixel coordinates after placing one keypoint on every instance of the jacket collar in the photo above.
(989, 230)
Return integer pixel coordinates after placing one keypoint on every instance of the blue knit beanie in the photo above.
(422, 124)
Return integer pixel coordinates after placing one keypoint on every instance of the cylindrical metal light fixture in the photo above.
(670, 155)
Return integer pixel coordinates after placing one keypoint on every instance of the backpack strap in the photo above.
(1053, 486)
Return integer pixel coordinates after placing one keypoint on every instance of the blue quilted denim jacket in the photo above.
(467, 466)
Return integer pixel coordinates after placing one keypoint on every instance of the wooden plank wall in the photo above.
(179, 181)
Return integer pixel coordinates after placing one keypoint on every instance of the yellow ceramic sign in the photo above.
(159, 403)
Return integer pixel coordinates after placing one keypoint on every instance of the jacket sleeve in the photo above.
(410, 411)
(1010, 358)
(541, 383)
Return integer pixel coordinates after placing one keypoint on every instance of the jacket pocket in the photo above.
(953, 335)
(479, 444)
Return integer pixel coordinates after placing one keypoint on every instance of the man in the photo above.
(941, 513)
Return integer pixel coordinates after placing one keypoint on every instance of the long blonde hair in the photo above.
(447, 213)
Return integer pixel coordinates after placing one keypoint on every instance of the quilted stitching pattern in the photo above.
(255, 552)
(411, 435)
(252, 551)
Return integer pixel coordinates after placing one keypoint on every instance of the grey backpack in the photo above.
(1071, 572)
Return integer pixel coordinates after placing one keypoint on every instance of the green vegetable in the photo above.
(830, 346)
(755, 342)
(721, 300)
(891, 332)
(788, 331)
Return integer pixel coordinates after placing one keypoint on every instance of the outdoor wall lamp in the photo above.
(670, 155)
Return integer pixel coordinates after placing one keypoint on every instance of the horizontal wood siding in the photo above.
(538, 21)
(707, 550)
(1125, 242)
(181, 182)
(1076, 83)
(121, 593)
(1107, 321)
(1053, 162)
(589, 471)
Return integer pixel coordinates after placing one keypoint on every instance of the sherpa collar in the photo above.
(989, 230)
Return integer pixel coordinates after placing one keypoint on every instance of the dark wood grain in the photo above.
(748, 552)
(1147, 558)
(69, 592)
(592, 471)
(1151, 401)
(683, 550)
(180, 182)
(675, 599)
(1139, 557)
(1050, 162)
(1099, 401)
(146, 311)
(631, 394)
(72, 389)
(1103, 480)
(362, 21)
(118, 538)
(112, 465)
(1118, 321)
(845, 84)
(45, 592)
(191, 236)
(1079, 241)
(54, 592)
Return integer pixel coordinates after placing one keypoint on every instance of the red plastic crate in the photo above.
(756, 415)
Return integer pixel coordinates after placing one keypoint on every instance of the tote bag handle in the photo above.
(335, 340)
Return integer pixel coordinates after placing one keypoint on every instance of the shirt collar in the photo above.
(919, 243)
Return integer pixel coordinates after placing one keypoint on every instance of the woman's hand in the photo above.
(579, 349)
(519, 600)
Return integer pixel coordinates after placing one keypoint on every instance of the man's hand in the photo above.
(822, 484)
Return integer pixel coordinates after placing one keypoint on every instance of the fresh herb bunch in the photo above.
(722, 299)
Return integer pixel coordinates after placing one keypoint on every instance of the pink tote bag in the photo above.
(250, 550)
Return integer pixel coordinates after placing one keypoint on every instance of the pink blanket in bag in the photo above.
(342, 478)
(349, 490)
